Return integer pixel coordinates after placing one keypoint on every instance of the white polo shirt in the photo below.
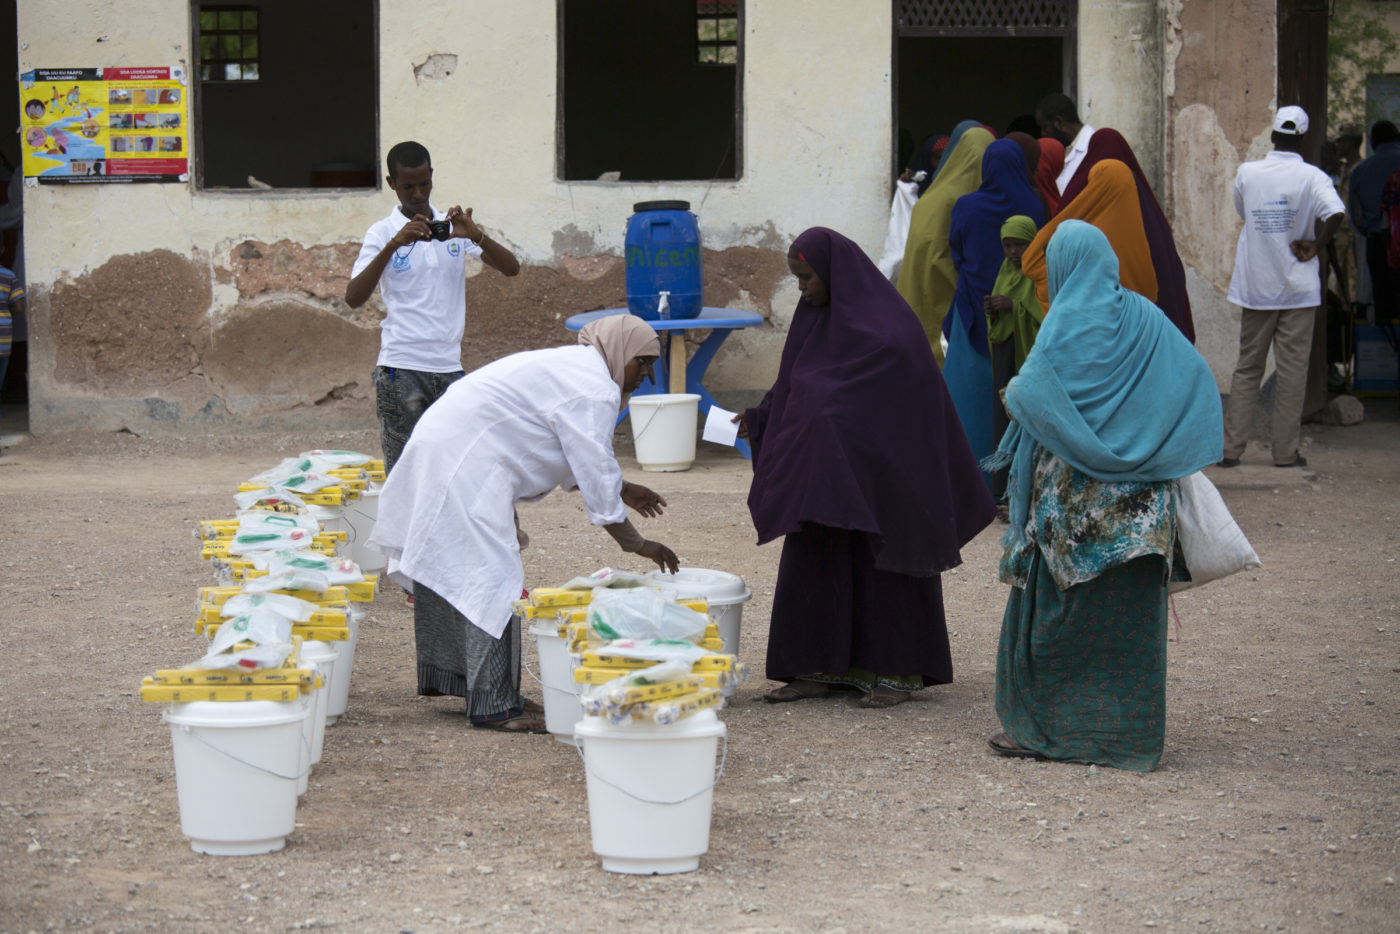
(1280, 198)
(1074, 154)
(424, 289)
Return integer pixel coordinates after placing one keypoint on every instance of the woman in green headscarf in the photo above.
(927, 279)
(1013, 319)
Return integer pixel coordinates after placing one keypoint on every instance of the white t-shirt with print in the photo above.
(1280, 198)
(424, 289)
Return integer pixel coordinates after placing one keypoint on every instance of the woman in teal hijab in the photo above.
(1110, 406)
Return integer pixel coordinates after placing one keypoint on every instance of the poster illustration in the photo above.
(85, 125)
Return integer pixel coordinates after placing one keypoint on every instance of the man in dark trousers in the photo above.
(1367, 186)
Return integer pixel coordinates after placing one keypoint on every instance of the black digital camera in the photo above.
(441, 230)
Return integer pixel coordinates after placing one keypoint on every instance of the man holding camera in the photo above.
(417, 257)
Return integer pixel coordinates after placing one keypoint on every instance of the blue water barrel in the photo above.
(662, 248)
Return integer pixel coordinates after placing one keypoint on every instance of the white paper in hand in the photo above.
(720, 427)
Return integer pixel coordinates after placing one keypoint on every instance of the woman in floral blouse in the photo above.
(1110, 406)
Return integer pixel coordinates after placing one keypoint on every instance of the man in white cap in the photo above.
(1290, 211)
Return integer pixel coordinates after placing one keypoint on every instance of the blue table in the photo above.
(719, 321)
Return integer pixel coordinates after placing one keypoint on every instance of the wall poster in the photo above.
(105, 125)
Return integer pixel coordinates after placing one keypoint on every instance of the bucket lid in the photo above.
(545, 628)
(660, 206)
(235, 714)
(703, 584)
(700, 724)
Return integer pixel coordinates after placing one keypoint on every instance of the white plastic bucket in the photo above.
(361, 514)
(236, 770)
(726, 594)
(307, 702)
(338, 689)
(650, 791)
(663, 428)
(332, 518)
(326, 657)
(561, 704)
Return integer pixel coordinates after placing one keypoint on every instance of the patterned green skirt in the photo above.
(1082, 673)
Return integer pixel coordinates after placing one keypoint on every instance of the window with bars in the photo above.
(251, 126)
(1023, 17)
(716, 32)
(649, 91)
(228, 43)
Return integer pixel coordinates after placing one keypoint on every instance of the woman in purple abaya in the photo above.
(861, 462)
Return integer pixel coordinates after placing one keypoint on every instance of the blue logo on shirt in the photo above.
(454, 248)
(400, 261)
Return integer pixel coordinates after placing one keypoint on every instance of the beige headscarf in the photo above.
(619, 338)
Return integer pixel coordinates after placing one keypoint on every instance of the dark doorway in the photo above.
(990, 61)
(1302, 66)
(14, 386)
(287, 93)
(944, 81)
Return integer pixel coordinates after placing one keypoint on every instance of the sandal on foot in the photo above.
(1228, 462)
(1298, 461)
(882, 697)
(533, 706)
(1002, 745)
(521, 724)
(796, 691)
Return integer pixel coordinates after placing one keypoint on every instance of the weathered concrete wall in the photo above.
(225, 306)
(1220, 82)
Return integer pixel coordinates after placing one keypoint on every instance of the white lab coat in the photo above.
(507, 433)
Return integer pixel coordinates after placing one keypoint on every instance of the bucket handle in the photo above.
(719, 773)
(224, 752)
(638, 432)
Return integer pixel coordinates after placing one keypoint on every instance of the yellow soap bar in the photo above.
(219, 676)
(674, 708)
(306, 631)
(150, 691)
(558, 596)
(596, 659)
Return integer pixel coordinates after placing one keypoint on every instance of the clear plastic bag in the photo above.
(615, 699)
(271, 655)
(270, 499)
(643, 614)
(290, 608)
(336, 570)
(337, 458)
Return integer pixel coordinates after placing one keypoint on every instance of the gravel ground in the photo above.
(1274, 807)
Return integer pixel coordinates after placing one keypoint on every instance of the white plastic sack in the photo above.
(1211, 541)
(897, 235)
(293, 609)
(262, 626)
(336, 570)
